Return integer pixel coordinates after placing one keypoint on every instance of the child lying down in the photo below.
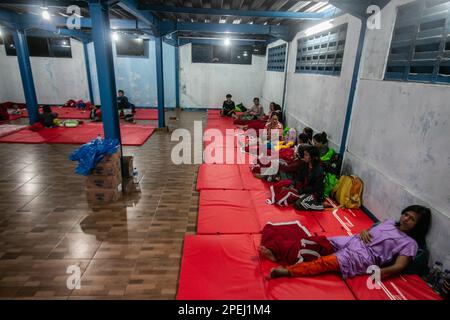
(389, 245)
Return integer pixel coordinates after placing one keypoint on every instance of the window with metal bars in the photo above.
(420, 45)
(322, 53)
(276, 58)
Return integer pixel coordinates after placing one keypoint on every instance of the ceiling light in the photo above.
(227, 41)
(45, 14)
(115, 36)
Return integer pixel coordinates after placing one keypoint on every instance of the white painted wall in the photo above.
(204, 85)
(56, 79)
(320, 101)
(273, 85)
(137, 76)
(399, 140)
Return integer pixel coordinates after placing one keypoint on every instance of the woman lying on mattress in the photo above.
(389, 245)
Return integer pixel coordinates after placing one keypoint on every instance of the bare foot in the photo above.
(279, 272)
(267, 253)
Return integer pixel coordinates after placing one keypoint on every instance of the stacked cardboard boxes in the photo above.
(104, 184)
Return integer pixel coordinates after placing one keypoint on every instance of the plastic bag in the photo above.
(89, 154)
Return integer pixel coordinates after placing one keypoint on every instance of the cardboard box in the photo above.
(109, 165)
(103, 181)
(128, 166)
(99, 195)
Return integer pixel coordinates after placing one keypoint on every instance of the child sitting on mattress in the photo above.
(228, 107)
(47, 117)
(96, 114)
(306, 191)
(389, 245)
(256, 112)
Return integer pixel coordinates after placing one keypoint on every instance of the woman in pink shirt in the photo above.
(389, 245)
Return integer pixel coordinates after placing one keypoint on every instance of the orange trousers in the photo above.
(321, 265)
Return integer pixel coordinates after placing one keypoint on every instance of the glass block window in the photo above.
(322, 52)
(276, 58)
(420, 45)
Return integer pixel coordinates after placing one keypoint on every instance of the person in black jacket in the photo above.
(306, 190)
(228, 107)
(311, 194)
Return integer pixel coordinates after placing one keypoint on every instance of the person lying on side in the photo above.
(389, 245)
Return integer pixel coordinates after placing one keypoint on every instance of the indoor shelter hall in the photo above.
(225, 150)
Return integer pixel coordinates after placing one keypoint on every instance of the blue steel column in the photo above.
(352, 93)
(177, 72)
(101, 36)
(88, 72)
(23, 57)
(160, 81)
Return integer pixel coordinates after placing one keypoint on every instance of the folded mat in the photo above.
(242, 211)
(222, 267)
(6, 129)
(132, 135)
(403, 287)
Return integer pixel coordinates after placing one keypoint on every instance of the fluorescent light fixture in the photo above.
(115, 36)
(0, 32)
(45, 14)
(227, 41)
(318, 28)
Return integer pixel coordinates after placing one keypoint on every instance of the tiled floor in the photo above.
(127, 250)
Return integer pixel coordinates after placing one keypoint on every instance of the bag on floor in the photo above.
(348, 192)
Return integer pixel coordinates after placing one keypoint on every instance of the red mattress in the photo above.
(269, 213)
(403, 287)
(226, 212)
(249, 182)
(220, 267)
(219, 177)
(66, 113)
(132, 135)
(229, 267)
(241, 211)
(343, 222)
(228, 177)
(146, 114)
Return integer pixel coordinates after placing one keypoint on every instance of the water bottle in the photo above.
(435, 274)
